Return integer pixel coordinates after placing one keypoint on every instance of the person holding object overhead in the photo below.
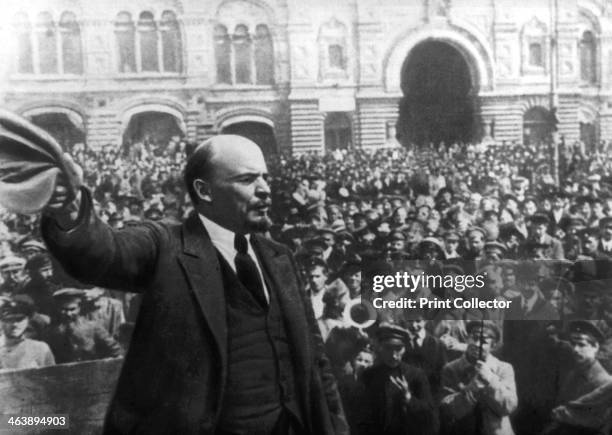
(479, 392)
(225, 341)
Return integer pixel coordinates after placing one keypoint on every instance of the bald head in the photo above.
(226, 180)
(215, 153)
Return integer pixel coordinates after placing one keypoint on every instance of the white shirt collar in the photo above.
(223, 240)
(220, 236)
(529, 302)
(420, 336)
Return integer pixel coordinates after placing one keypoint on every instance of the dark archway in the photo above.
(536, 126)
(588, 135)
(439, 103)
(59, 125)
(338, 131)
(157, 128)
(261, 134)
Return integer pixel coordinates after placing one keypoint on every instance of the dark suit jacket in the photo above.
(431, 358)
(384, 411)
(541, 310)
(174, 375)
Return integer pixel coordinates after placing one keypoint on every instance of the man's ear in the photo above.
(203, 190)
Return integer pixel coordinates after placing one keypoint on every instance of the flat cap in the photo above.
(584, 327)
(17, 306)
(12, 262)
(390, 333)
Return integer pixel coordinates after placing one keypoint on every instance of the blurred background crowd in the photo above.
(542, 237)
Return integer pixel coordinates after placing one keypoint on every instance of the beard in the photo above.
(260, 224)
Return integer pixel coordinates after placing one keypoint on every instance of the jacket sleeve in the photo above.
(457, 400)
(106, 346)
(500, 393)
(420, 410)
(94, 253)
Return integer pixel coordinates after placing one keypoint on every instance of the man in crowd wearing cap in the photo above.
(590, 414)
(317, 273)
(476, 238)
(335, 254)
(73, 337)
(588, 298)
(512, 239)
(40, 285)
(494, 252)
(106, 311)
(397, 395)
(584, 375)
(396, 242)
(423, 350)
(451, 244)
(605, 243)
(350, 274)
(328, 238)
(351, 386)
(527, 348)
(589, 238)
(236, 294)
(479, 392)
(17, 351)
(335, 298)
(553, 248)
(531, 304)
(12, 269)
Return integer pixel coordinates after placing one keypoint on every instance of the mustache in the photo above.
(261, 204)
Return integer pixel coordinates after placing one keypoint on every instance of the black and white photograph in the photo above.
(281, 217)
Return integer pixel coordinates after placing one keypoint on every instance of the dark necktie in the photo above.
(246, 269)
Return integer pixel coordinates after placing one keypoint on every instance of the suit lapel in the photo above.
(280, 270)
(199, 259)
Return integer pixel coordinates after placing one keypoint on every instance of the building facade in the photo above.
(310, 76)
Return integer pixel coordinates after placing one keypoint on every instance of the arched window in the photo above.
(223, 54)
(72, 60)
(588, 59)
(264, 56)
(47, 43)
(244, 58)
(171, 42)
(147, 30)
(125, 34)
(242, 54)
(535, 54)
(23, 30)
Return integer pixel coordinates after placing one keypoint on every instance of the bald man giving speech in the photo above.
(224, 342)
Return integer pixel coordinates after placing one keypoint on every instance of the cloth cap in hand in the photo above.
(30, 162)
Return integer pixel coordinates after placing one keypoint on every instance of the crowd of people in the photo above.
(541, 365)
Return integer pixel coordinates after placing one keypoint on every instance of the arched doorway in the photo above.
(536, 126)
(338, 131)
(439, 103)
(156, 128)
(66, 131)
(260, 133)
